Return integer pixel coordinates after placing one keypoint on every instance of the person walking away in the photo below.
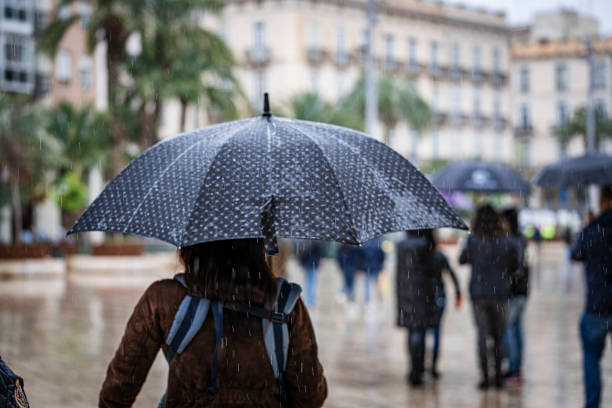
(416, 296)
(349, 259)
(226, 363)
(373, 262)
(309, 253)
(594, 248)
(518, 299)
(493, 257)
(441, 266)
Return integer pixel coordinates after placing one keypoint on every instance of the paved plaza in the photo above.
(60, 333)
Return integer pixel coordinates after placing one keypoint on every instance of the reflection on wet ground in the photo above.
(60, 334)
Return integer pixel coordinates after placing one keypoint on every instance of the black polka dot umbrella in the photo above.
(268, 177)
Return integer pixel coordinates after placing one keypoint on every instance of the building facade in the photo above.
(457, 57)
(550, 80)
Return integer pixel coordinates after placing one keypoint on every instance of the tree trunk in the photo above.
(183, 114)
(17, 210)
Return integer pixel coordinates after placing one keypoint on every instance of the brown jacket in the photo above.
(245, 377)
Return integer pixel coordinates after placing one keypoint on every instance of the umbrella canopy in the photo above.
(479, 177)
(576, 171)
(268, 177)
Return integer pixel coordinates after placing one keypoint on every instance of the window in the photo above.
(15, 10)
(477, 112)
(85, 71)
(259, 35)
(13, 49)
(341, 83)
(599, 75)
(497, 112)
(312, 38)
(524, 117)
(341, 54)
(561, 77)
(524, 80)
(84, 14)
(496, 60)
(562, 113)
(476, 58)
(456, 101)
(390, 58)
(259, 87)
(434, 54)
(314, 81)
(63, 67)
(412, 52)
(600, 107)
(456, 56)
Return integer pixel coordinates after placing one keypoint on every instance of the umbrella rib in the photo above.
(348, 210)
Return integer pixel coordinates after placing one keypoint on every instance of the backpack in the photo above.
(192, 313)
(11, 389)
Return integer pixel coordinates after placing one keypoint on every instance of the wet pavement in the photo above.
(60, 334)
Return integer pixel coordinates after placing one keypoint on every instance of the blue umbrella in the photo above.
(579, 171)
(479, 177)
(268, 177)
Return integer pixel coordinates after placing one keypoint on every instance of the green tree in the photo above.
(25, 154)
(576, 126)
(398, 100)
(309, 106)
(83, 136)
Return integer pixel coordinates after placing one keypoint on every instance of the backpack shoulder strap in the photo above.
(187, 322)
(276, 332)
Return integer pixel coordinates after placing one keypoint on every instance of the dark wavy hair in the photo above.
(234, 270)
(427, 235)
(487, 223)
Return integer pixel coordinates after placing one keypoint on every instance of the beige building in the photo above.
(550, 80)
(458, 58)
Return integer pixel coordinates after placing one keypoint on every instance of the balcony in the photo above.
(456, 73)
(258, 55)
(523, 130)
(414, 68)
(499, 122)
(41, 85)
(391, 65)
(479, 120)
(478, 75)
(342, 59)
(315, 55)
(440, 118)
(436, 71)
(498, 78)
(41, 21)
(458, 119)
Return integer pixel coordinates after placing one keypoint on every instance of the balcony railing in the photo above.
(480, 120)
(440, 118)
(456, 73)
(498, 78)
(478, 75)
(499, 122)
(391, 65)
(523, 130)
(414, 68)
(316, 55)
(258, 55)
(342, 58)
(436, 71)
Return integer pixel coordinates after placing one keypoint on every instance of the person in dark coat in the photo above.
(493, 257)
(373, 259)
(350, 259)
(416, 295)
(594, 249)
(519, 289)
(309, 253)
(233, 271)
(441, 266)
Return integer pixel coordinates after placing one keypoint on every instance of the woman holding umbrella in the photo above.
(494, 257)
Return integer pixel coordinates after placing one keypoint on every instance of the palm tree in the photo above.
(25, 153)
(309, 106)
(576, 126)
(398, 100)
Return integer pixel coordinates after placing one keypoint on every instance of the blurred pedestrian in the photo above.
(566, 277)
(416, 295)
(594, 248)
(349, 259)
(519, 290)
(309, 253)
(373, 260)
(441, 265)
(221, 368)
(493, 257)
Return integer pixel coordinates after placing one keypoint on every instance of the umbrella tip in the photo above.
(266, 108)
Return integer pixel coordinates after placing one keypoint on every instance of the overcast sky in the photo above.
(520, 11)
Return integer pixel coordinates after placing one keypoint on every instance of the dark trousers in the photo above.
(593, 332)
(441, 302)
(490, 317)
(416, 349)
